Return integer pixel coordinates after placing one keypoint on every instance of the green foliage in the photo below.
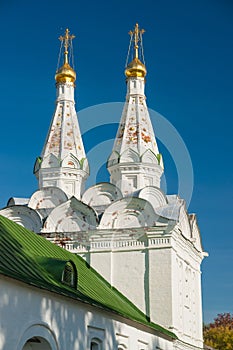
(219, 334)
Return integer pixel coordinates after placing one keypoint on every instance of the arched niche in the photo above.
(149, 157)
(50, 161)
(129, 156)
(46, 199)
(24, 216)
(101, 194)
(153, 195)
(71, 216)
(70, 161)
(38, 337)
(128, 213)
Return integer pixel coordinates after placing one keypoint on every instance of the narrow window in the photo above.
(96, 344)
(69, 275)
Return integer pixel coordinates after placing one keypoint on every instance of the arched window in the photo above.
(96, 344)
(36, 343)
(122, 346)
(69, 275)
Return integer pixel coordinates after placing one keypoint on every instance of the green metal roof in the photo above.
(32, 259)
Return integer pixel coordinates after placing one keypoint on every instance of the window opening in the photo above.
(69, 275)
(96, 344)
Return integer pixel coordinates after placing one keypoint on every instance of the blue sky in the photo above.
(188, 47)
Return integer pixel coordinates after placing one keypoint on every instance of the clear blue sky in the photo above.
(188, 48)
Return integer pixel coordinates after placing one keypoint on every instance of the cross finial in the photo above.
(137, 33)
(66, 40)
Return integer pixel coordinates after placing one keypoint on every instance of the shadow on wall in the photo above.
(77, 325)
(35, 319)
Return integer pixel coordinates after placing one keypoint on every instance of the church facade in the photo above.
(142, 242)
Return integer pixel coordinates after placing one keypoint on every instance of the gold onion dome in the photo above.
(135, 69)
(65, 74)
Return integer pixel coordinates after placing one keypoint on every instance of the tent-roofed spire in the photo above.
(135, 161)
(63, 160)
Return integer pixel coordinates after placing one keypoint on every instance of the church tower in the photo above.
(141, 240)
(63, 162)
(147, 245)
(135, 161)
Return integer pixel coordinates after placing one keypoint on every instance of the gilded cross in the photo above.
(137, 37)
(66, 39)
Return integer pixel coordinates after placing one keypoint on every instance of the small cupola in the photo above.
(66, 74)
(136, 68)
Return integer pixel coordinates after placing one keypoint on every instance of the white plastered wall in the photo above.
(28, 312)
(156, 280)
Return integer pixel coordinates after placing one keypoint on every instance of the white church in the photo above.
(115, 266)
